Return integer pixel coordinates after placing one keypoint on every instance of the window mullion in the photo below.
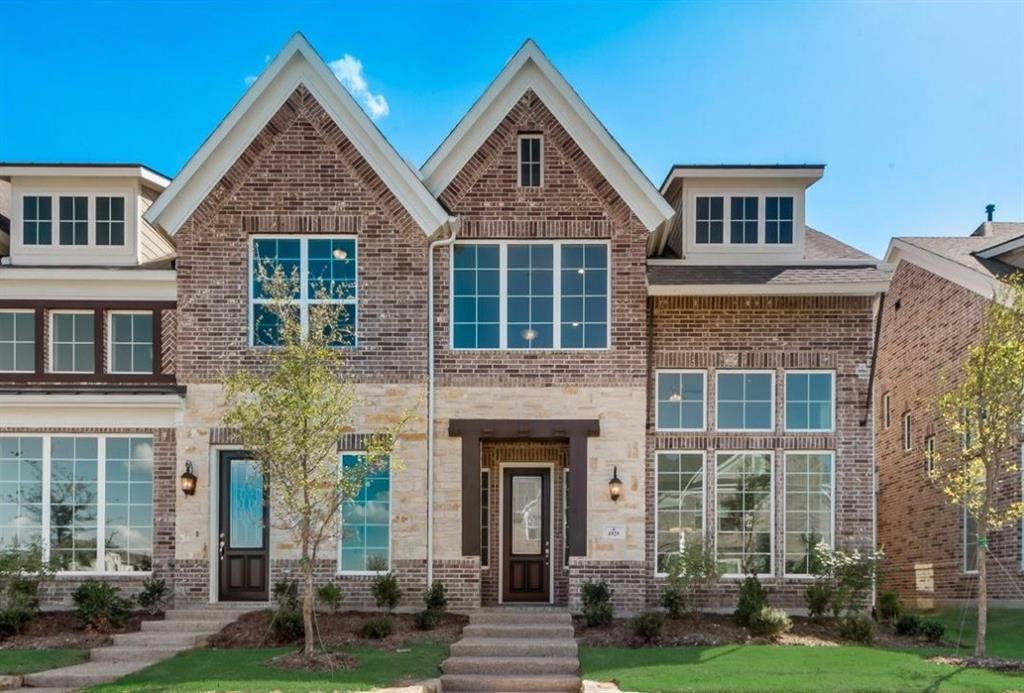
(503, 294)
(556, 296)
(101, 503)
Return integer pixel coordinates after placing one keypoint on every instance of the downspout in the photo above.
(453, 226)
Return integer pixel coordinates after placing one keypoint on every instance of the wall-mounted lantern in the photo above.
(188, 480)
(615, 485)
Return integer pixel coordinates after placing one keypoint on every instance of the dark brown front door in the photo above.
(526, 528)
(244, 537)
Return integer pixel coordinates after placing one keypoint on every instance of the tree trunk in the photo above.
(307, 600)
(979, 642)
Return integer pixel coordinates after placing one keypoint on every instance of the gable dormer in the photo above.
(83, 215)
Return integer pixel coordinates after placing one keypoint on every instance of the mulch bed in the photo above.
(993, 663)
(343, 628)
(62, 629)
(319, 661)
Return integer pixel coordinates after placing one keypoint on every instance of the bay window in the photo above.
(745, 541)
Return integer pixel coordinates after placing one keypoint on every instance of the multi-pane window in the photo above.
(21, 492)
(680, 401)
(485, 517)
(131, 342)
(109, 221)
(74, 503)
(476, 296)
(970, 543)
(809, 401)
(531, 168)
(908, 441)
(37, 220)
(680, 503)
(809, 507)
(74, 220)
(745, 401)
(584, 288)
(710, 219)
(129, 505)
(17, 341)
(531, 301)
(778, 220)
(321, 271)
(744, 505)
(743, 220)
(365, 544)
(72, 347)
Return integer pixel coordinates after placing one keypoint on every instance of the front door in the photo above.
(244, 537)
(526, 528)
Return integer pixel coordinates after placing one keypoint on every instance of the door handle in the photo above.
(220, 549)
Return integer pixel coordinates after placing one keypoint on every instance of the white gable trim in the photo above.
(984, 285)
(1001, 249)
(530, 69)
(296, 64)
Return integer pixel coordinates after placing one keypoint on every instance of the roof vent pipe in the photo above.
(989, 211)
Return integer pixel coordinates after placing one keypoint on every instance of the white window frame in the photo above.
(52, 334)
(54, 220)
(727, 195)
(519, 159)
(15, 343)
(718, 390)
(704, 398)
(110, 341)
(94, 220)
(391, 521)
(556, 316)
(785, 400)
(703, 495)
(832, 495)
(303, 302)
(771, 495)
(90, 220)
(886, 411)
(907, 425)
(485, 516)
(929, 450)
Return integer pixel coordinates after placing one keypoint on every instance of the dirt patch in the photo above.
(62, 629)
(319, 661)
(993, 663)
(253, 630)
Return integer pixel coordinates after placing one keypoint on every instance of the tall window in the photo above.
(476, 296)
(109, 221)
(745, 541)
(74, 220)
(710, 220)
(970, 543)
(530, 296)
(131, 342)
(743, 220)
(929, 452)
(809, 508)
(810, 401)
(72, 349)
(37, 220)
(74, 499)
(129, 504)
(531, 153)
(886, 410)
(17, 341)
(324, 268)
(584, 288)
(778, 220)
(746, 400)
(21, 492)
(365, 544)
(680, 401)
(680, 503)
(485, 517)
(908, 441)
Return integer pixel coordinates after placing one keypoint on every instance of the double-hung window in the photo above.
(109, 220)
(74, 220)
(365, 542)
(72, 345)
(679, 494)
(810, 506)
(37, 220)
(130, 347)
(17, 341)
(746, 400)
(681, 396)
(745, 507)
(321, 270)
(810, 400)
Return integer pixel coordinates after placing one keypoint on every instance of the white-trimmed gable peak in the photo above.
(529, 69)
(297, 64)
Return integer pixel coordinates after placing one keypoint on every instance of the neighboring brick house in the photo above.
(931, 316)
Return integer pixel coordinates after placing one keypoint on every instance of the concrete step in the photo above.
(207, 626)
(520, 617)
(514, 647)
(206, 614)
(167, 640)
(131, 653)
(519, 630)
(83, 675)
(511, 665)
(540, 682)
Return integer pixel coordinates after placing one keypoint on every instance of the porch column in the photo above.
(470, 495)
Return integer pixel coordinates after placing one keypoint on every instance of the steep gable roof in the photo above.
(297, 64)
(529, 69)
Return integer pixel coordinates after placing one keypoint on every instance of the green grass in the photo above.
(246, 670)
(768, 668)
(1005, 636)
(27, 661)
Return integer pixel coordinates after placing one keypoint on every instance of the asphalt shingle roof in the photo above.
(961, 249)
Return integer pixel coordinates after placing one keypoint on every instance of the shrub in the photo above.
(770, 621)
(858, 628)
(849, 575)
(909, 624)
(376, 628)
(932, 630)
(285, 594)
(428, 619)
(597, 603)
(436, 597)
(21, 571)
(330, 595)
(386, 592)
(691, 569)
(287, 624)
(647, 626)
(889, 607)
(153, 597)
(100, 606)
(674, 601)
(818, 598)
(753, 598)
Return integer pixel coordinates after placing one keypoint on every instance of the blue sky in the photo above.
(917, 108)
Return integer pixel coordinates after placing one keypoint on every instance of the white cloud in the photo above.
(349, 71)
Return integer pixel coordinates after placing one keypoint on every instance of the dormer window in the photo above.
(37, 216)
(74, 220)
(741, 215)
(743, 223)
(709, 219)
(531, 168)
(109, 221)
(778, 220)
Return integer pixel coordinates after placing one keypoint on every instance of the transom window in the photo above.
(810, 400)
(74, 220)
(72, 346)
(131, 342)
(365, 544)
(743, 220)
(109, 221)
(37, 220)
(324, 268)
(778, 220)
(681, 396)
(17, 341)
(746, 400)
(531, 156)
(809, 508)
(680, 500)
(745, 502)
(710, 219)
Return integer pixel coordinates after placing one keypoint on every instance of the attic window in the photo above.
(531, 159)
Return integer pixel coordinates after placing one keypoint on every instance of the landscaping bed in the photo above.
(64, 629)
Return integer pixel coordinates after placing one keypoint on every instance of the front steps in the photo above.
(514, 649)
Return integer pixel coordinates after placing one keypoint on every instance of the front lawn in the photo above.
(28, 661)
(770, 668)
(1005, 636)
(246, 670)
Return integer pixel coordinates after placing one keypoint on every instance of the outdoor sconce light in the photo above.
(188, 481)
(615, 485)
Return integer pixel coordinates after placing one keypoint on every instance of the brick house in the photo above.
(931, 316)
(552, 321)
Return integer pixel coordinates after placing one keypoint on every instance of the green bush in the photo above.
(100, 606)
(690, 570)
(858, 628)
(597, 603)
(932, 630)
(153, 597)
(909, 624)
(428, 619)
(436, 597)
(753, 598)
(330, 595)
(21, 571)
(849, 576)
(386, 592)
(770, 621)
(890, 608)
(287, 624)
(376, 628)
(818, 598)
(674, 600)
(647, 626)
(285, 594)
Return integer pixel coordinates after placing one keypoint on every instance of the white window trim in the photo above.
(785, 401)
(54, 219)
(929, 450)
(907, 431)
(703, 496)
(94, 220)
(886, 411)
(963, 546)
(727, 195)
(35, 346)
(485, 519)
(771, 495)
(738, 371)
(110, 341)
(303, 302)
(50, 341)
(556, 315)
(704, 398)
(519, 158)
(832, 510)
(101, 498)
(391, 544)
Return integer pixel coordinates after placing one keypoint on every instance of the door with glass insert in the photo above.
(243, 540)
(526, 523)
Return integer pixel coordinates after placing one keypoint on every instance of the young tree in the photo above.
(290, 412)
(982, 414)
